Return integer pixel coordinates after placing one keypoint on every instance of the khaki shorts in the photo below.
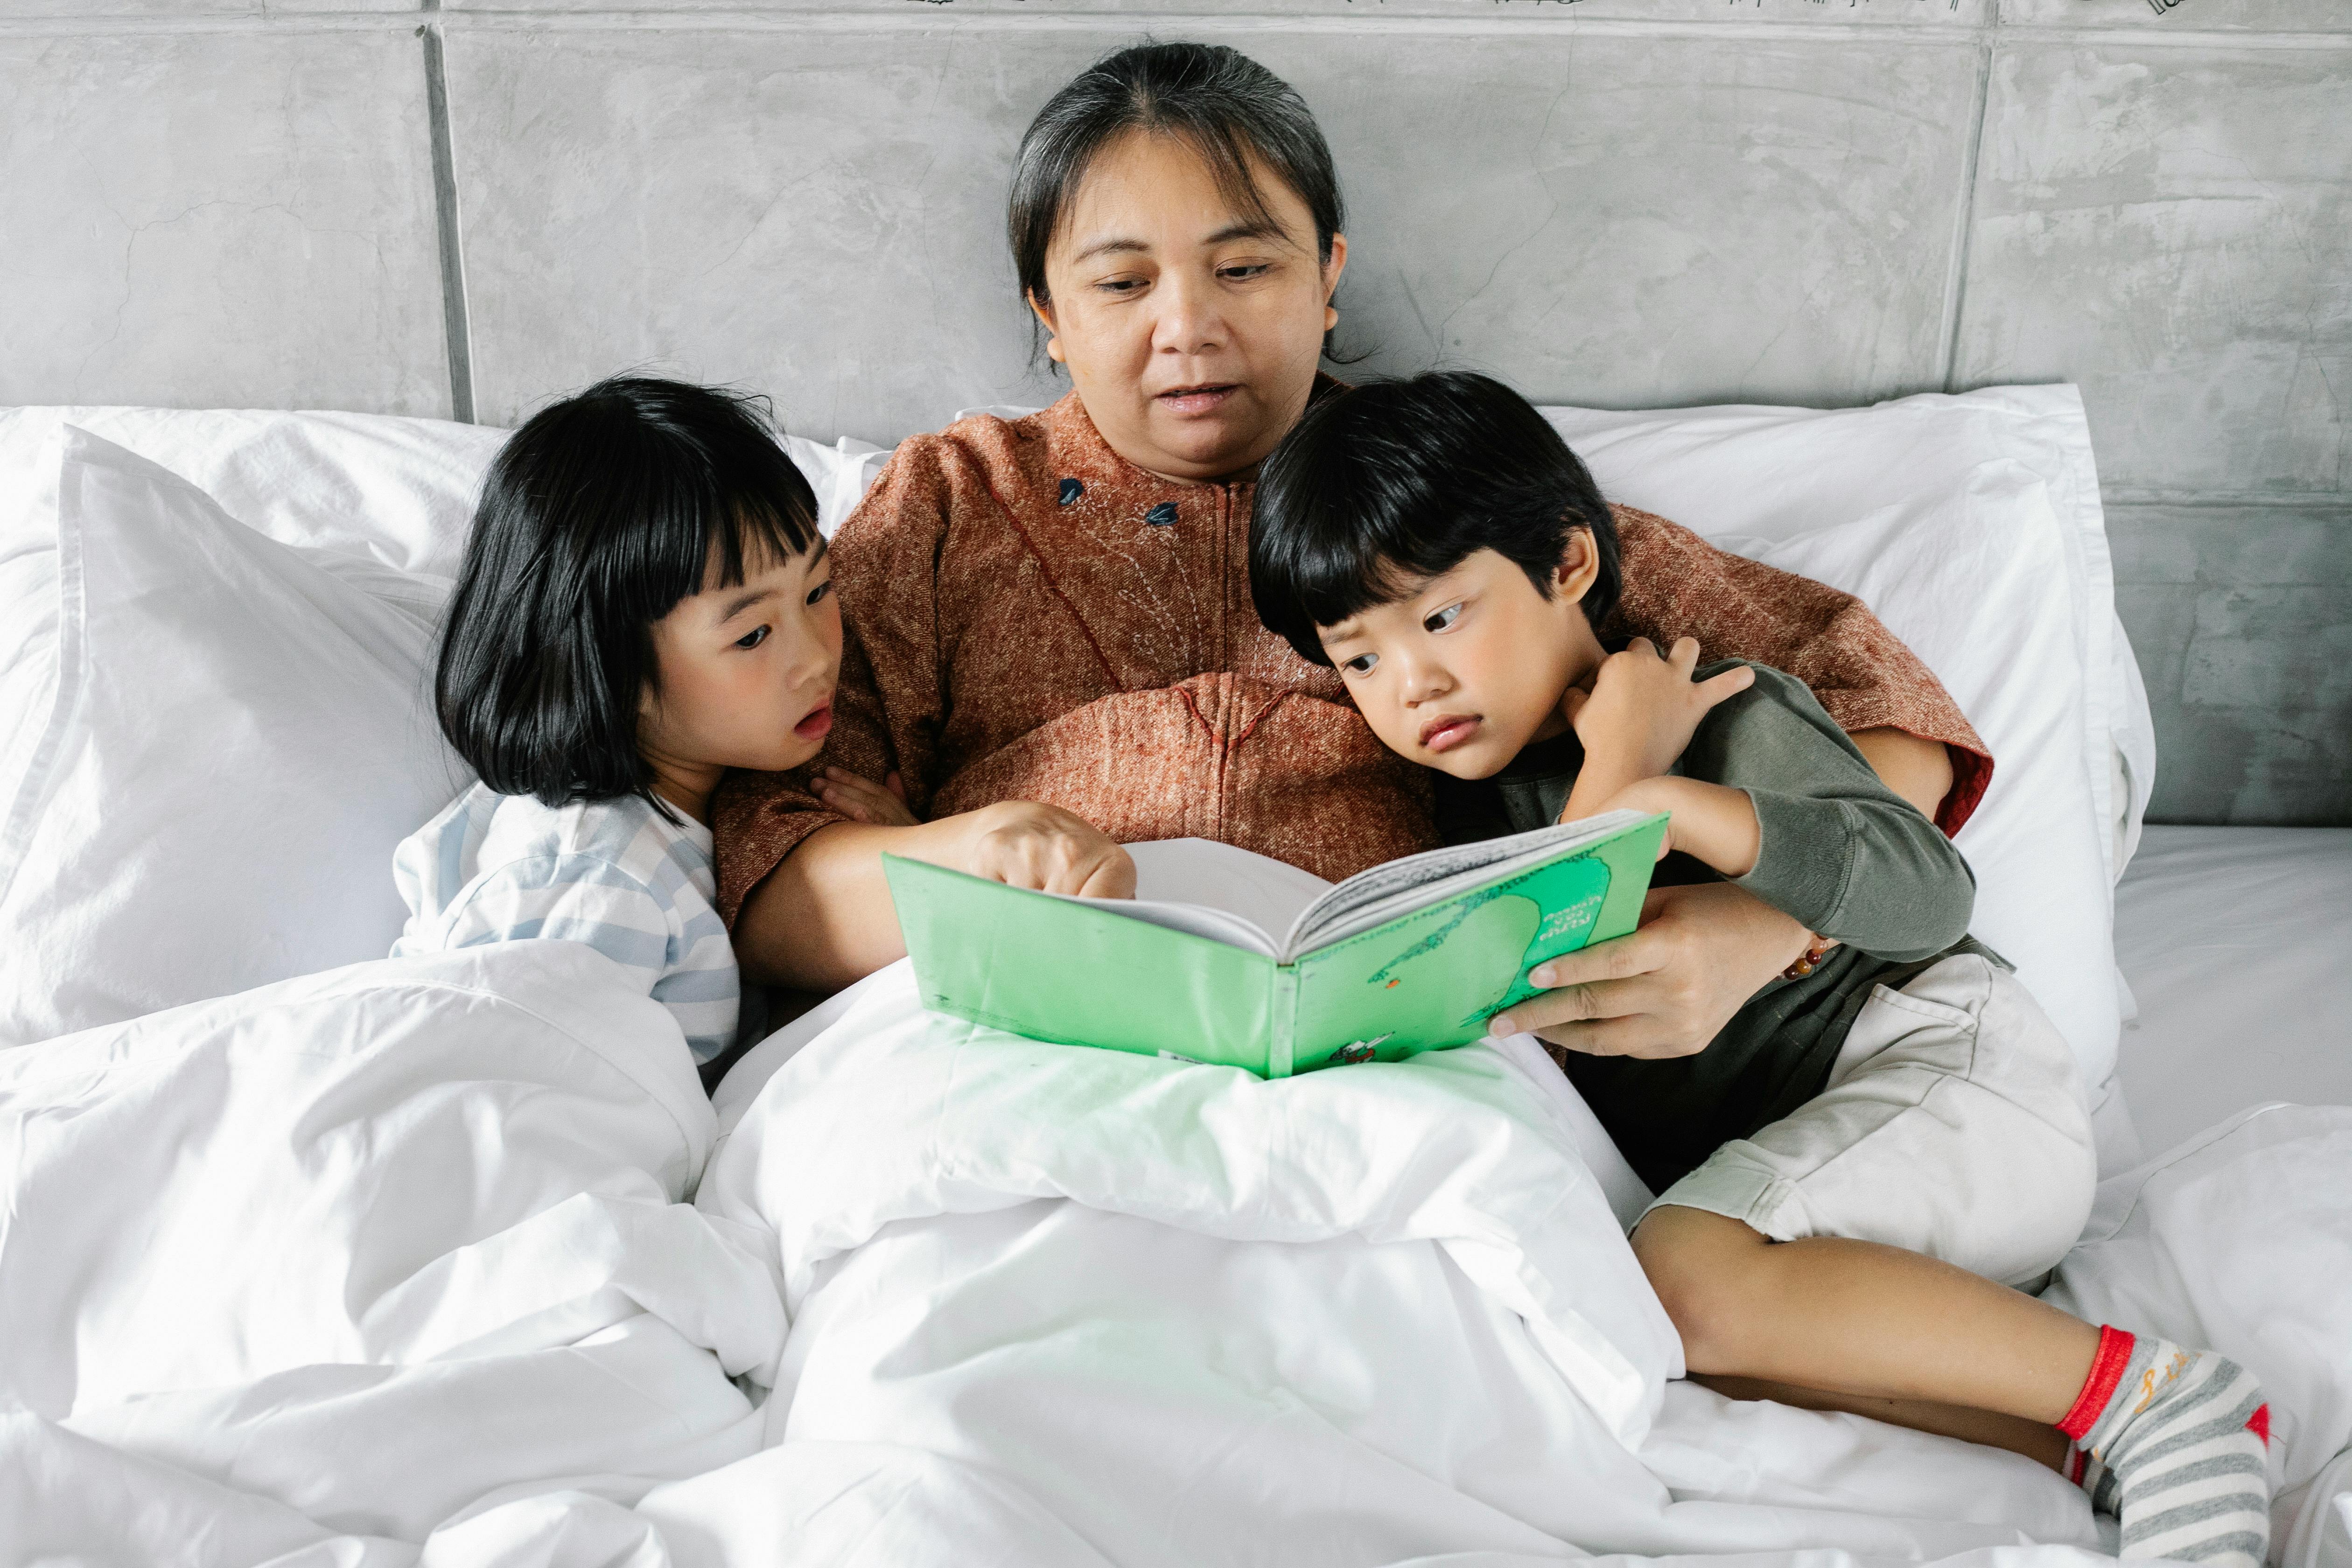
(1953, 1124)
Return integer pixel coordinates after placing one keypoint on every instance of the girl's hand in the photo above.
(861, 799)
(1643, 709)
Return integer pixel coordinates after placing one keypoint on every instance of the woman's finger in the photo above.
(1630, 1037)
(1684, 656)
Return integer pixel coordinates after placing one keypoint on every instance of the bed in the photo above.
(309, 1255)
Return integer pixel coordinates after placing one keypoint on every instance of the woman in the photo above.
(1052, 638)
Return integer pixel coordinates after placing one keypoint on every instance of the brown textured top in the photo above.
(1032, 617)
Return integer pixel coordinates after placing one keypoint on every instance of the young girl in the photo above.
(644, 603)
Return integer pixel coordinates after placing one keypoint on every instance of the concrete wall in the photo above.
(459, 210)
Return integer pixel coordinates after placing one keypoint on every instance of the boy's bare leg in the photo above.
(2044, 1444)
(1856, 1319)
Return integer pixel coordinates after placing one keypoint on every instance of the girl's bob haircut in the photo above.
(1381, 487)
(598, 516)
(1223, 104)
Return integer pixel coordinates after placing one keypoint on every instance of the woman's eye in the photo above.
(1242, 274)
(1362, 663)
(817, 593)
(1120, 285)
(1442, 619)
(753, 637)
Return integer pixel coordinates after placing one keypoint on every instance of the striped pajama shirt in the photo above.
(614, 874)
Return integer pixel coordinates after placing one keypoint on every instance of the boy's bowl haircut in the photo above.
(1383, 486)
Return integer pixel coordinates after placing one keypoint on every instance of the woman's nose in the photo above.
(1189, 321)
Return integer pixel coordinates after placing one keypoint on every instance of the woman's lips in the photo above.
(1190, 400)
(818, 721)
(1447, 731)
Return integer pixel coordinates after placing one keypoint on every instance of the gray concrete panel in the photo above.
(2183, 15)
(2169, 228)
(1839, 17)
(219, 219)
(2238, 617)
(71, 11)
(1625, 222)
(1600, 218)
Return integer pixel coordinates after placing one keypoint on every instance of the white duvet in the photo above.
(398, 1264)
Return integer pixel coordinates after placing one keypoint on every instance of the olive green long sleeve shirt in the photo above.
(1839, 852)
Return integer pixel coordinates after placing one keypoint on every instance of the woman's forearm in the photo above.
(823, 917)
(1918, 770)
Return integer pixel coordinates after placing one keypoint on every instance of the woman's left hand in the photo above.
(1668, 988)
(861, 799)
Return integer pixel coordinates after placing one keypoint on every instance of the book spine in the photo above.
(1283, 1034)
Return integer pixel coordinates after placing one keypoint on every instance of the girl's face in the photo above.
(1191, 331)
(747, 677)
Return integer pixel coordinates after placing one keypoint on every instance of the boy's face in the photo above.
(1470, 666)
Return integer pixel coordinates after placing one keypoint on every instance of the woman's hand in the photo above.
(1669, 987)
(861, 799)
(1028, 845)
(1641, 713)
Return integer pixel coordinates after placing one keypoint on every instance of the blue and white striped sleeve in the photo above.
(569, 898)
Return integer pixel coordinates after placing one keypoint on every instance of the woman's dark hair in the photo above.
(1228, 107)
(1382, 486)
(599, 515)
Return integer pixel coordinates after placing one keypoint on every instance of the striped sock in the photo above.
(2174, 1441)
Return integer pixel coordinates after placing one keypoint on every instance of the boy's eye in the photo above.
(1362, 663)
(817, 593)
(753, 637)
(1442, 619)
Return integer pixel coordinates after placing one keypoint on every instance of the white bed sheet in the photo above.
(395, 1265)
(2236, 945)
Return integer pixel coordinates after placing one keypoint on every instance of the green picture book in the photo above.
(1415, 955)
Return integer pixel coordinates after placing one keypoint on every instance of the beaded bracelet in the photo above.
(1815, 950)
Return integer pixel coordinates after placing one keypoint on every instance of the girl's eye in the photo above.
(1362, 663)
(753, 637)
(817, 593)
(1442, 619)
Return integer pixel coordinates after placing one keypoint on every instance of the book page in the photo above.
(1372, 897)
(1265, 892)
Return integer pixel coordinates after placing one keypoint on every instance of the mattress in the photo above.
(2236, 943)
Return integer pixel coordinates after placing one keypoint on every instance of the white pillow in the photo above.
(360, 489)
(212, 747)
(1971, 526)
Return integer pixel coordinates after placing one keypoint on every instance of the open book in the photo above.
(1412, 956)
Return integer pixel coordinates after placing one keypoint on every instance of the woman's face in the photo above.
(1191, 332)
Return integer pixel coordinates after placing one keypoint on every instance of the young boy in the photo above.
(1854, 1171)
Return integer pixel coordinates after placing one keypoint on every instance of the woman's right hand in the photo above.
(1025, 843)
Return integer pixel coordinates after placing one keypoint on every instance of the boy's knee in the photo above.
(1702, 1265)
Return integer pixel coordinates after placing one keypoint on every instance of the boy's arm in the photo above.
(1676, 584)
(1833, 847)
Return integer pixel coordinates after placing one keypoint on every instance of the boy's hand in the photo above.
(862, 800)
(1641, 713)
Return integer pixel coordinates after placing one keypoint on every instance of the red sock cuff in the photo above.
(2106, 1371)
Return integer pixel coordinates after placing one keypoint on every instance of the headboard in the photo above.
(458, 210)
